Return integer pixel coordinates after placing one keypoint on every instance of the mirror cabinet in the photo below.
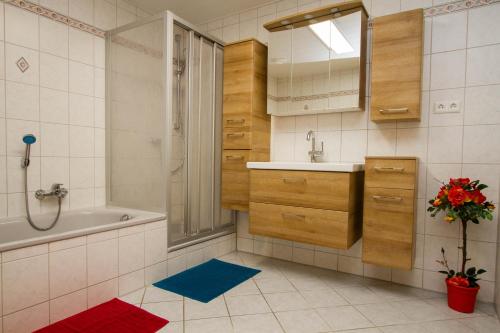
(316, 61)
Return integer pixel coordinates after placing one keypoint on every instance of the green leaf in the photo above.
(481, 186)
(471, 271)
(481, 271)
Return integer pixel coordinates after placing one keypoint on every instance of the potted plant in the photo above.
(462, 199)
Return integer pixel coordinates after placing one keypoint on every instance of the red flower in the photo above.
(457, 196)
(459, 281)
(477, 197)
(443, 191)
(459, 181)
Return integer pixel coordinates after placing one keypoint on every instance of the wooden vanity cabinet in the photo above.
(246, 124)
(389, 211)
(315, 207)
(396, 67)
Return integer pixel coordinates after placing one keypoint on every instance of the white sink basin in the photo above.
(305, 166)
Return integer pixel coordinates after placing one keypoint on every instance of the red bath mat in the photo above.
(114, 316)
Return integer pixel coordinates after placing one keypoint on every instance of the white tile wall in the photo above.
(460, 63)
(45, 283)
(60, 99)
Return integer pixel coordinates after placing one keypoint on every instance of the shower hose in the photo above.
(31, 222)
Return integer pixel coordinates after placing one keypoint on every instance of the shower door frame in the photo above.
(169, 20)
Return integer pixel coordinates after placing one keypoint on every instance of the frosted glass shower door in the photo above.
(201, 137)
(201, 114)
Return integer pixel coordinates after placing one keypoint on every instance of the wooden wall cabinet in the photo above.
(389, 211)
(396, 67)
(246, 125)
(315, 207)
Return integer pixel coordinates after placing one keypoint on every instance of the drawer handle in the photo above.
(394, 111)
(294, 180)
(235, 135)
(289, 216)
(388, 169)
(235, 121)
(234, 158)
(387, 199)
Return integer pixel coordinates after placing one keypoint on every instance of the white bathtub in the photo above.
(16, 232)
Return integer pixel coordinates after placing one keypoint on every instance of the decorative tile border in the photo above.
(313, 97)
(53, 15)
(456, 6)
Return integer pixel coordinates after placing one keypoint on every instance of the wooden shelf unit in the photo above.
(246, 124)
(396, 67)
(389, 211)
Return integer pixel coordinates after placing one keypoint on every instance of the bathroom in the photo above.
(103, 142)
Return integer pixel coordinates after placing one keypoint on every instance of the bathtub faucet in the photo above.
(56, 191)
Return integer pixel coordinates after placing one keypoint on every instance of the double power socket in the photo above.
(447, 107)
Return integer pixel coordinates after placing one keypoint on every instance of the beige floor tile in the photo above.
(155, 295)
(323, 298)
(246, 288)
(302, 321)
(246, 304)
(173, 327)
(343, 318)
(211, 325)
(198, 310)
(260, 323)
(268, 286)
(171, 311)
(286, 301)
(383, 314)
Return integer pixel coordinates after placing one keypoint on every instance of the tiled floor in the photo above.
(293, 298)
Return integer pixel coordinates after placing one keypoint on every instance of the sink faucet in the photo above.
(56, 191)
(313, 153)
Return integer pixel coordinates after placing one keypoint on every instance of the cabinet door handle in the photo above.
(289, 216)
(235, 121)
(294, 180)
(387, 199)
(388, 169)
(234, 158)
(394, 111)
(235, 135)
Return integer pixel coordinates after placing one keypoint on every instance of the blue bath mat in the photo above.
(207, 281)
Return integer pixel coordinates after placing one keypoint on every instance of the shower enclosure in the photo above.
(163, 121)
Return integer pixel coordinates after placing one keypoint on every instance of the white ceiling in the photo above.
(199, 11)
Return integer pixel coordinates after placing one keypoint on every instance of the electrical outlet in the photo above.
(447, 107)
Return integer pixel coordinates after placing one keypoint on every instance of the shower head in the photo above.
(28, 139)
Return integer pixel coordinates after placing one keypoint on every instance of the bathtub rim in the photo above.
(140, 217)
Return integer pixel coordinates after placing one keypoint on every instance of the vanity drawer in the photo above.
(235, 179)
(390, 173)
(236, 138)
(314, 189)
(314, 226)
(388, 226)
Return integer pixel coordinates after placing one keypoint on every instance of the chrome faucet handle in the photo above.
(59, 191)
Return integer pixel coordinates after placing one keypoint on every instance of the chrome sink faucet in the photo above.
(313, 153)
(56, 191)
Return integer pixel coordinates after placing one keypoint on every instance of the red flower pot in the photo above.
(461, 299)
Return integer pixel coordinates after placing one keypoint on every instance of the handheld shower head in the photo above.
(28, 139)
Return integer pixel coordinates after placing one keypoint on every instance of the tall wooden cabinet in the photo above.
(389, 211)
(396, 68)
(246, 124)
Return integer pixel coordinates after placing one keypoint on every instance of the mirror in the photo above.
(315, 62)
